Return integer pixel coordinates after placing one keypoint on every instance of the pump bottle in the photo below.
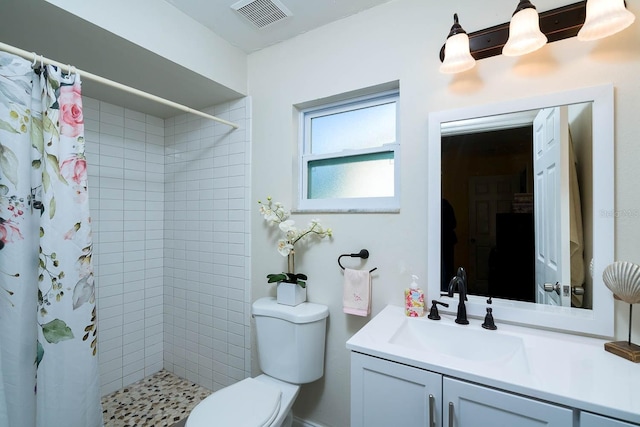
(414, 299)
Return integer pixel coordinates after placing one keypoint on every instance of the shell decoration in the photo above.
(623, 279)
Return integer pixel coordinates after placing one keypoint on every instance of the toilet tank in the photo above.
(291, 339)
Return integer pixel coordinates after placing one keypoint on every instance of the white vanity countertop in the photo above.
(565, 369)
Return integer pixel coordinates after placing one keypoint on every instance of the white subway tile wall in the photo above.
(207, 254)
(169, 202)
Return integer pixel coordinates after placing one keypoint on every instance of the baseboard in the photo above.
(299, 422)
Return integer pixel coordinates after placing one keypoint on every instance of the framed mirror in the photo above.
(534, 236)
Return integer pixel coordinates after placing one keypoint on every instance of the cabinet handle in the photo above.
(432, 419)
(450, 414)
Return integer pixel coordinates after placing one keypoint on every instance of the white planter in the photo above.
(290, 293)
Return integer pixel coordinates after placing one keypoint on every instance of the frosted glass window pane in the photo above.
(355, 129)
(367, 175)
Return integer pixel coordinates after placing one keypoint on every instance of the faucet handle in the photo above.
(489, 323)
(433, 313)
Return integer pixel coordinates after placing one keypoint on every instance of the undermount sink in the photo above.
(468, 343)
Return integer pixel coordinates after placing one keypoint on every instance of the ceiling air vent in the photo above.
(261, 12)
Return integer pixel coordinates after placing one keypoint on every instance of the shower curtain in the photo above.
(48, 362)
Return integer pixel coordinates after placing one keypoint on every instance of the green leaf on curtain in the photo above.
(39, 354)
(56, 331)
(9, 164)
(4, 190)
(37, 138)
(53, 162)
(49, 127)
(53, 82)
(6, 126)
(36, 164)
(52, 207)
(83, 292)
(46, 180)
(9, 95)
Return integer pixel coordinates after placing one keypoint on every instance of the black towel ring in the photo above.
(364, 254)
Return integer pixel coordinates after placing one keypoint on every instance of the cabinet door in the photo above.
(592, 420)
(385, 394)
(471, 405)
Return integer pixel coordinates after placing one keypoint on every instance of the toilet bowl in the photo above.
(253, 402)
(291, 343)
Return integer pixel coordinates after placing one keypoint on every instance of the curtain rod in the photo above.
(85, 74)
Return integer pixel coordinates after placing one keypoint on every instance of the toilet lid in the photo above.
(248, 403)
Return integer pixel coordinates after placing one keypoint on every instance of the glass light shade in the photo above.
(457, 57)
(604, 18)
(524, 33)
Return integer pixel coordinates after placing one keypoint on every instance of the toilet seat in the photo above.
(248, 403)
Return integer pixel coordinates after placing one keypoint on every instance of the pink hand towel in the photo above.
(356, 297)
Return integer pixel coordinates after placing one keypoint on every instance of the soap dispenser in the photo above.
(414, 299)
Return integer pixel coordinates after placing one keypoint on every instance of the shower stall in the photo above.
(169, 201)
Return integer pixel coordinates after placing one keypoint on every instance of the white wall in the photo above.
(400, 40)
(164, 30)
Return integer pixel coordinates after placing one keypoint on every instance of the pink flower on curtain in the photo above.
(9, 231)
(75, 169)
(71, 118)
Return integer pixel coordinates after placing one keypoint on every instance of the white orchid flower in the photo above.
(276, 213)
(284, 247)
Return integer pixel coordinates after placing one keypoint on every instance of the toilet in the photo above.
(291, 343)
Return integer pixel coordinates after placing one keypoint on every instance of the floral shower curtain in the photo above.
(48, 362)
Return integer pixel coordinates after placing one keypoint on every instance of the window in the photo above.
(350, 153)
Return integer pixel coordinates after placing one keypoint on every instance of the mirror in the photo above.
(495, 216)
(496, 182)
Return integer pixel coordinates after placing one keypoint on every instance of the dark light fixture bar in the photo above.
(557, 24)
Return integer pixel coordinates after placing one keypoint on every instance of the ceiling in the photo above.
(219, 17)
(37, 26)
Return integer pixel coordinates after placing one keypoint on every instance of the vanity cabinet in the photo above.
(407, 371)
(385, 393)
(468, 404)
(588, 419)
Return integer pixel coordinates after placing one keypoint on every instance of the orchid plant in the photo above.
(276, 214)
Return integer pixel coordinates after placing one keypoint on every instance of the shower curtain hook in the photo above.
(35, 59)
(41, 61)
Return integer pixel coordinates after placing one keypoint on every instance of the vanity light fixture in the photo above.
(604, 18)
(457, 57)
(556, 24)
(524, 31)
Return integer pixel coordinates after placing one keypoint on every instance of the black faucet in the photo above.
(459, 281)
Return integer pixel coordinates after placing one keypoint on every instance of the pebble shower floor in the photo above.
(160, 400)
